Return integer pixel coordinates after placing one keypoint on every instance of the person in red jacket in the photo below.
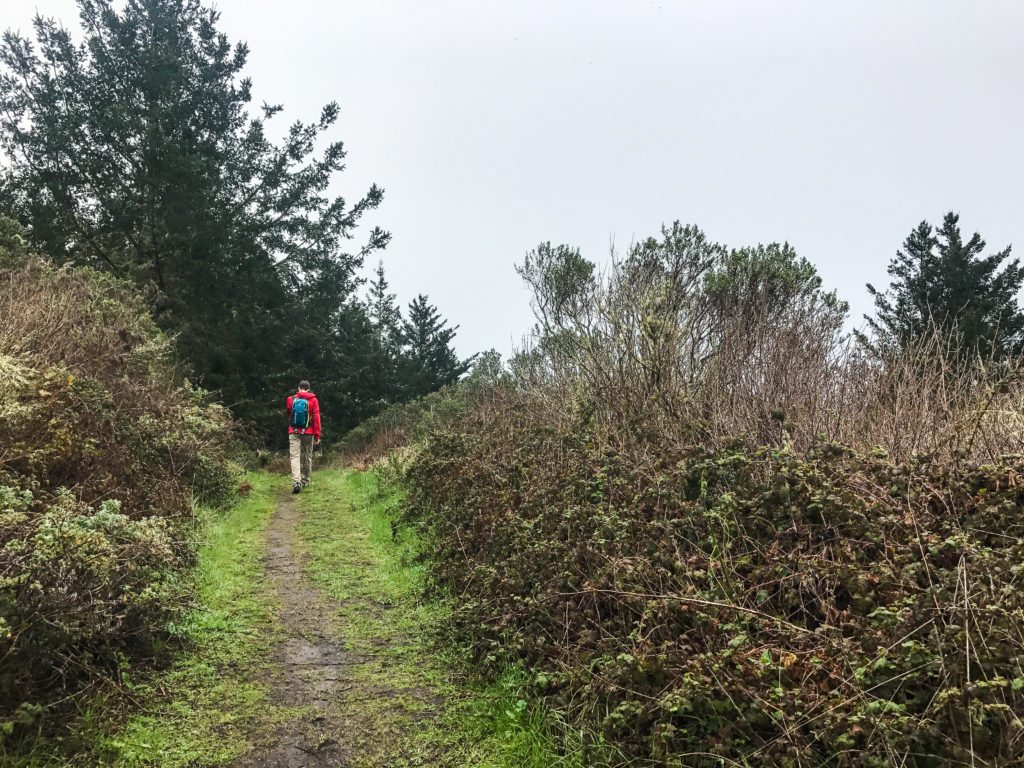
(303, 434)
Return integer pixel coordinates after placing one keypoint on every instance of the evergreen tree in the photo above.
(386, 344)
(385, 317)
(943, 282)
(136, 151)
(430, 361)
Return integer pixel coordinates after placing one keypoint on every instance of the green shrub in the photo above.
(103, 453)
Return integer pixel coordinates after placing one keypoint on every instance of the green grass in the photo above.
(433, 713)
(201, 710)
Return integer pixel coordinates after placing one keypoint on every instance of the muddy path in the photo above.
(314, 641)
(353, 668)
(312, 663)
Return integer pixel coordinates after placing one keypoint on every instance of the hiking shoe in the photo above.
(305, 482)
(296, 487)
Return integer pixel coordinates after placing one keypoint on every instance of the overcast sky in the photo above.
(493, 126)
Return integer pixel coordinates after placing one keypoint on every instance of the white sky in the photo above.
(495, 125)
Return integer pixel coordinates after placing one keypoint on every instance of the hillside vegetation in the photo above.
(103, 452)
(713, 529)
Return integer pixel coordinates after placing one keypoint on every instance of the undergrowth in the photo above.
(829, 609)
(401, 426)
(717, 532)
(202, 708)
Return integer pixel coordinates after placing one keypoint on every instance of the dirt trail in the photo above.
(312, 662)
(352, 672)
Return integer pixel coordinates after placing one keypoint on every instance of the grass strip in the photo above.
(203, 709)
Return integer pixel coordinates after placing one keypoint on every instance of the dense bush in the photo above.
(685, 338)
(102, 456)
(720, 534)
(775, 609)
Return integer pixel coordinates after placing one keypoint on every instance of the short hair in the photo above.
(303, 384)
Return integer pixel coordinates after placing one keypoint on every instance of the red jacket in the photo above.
(314, 415)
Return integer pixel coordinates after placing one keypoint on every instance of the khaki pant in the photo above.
(300, 451)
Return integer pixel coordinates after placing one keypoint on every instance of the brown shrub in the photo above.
(687, 340)
(720, 533)
(770, 608)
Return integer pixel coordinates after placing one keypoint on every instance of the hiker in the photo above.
(303, 434)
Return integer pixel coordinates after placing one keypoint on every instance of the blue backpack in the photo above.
(300, 413)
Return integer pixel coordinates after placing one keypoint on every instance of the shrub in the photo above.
(831, 608)
(103, 452)
(685, 338)
(718, 533)
(404, 424)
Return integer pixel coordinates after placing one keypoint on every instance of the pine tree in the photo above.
(386, 343)
(384, 314)
(137, 151)
(430, 361)
(940, 281)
